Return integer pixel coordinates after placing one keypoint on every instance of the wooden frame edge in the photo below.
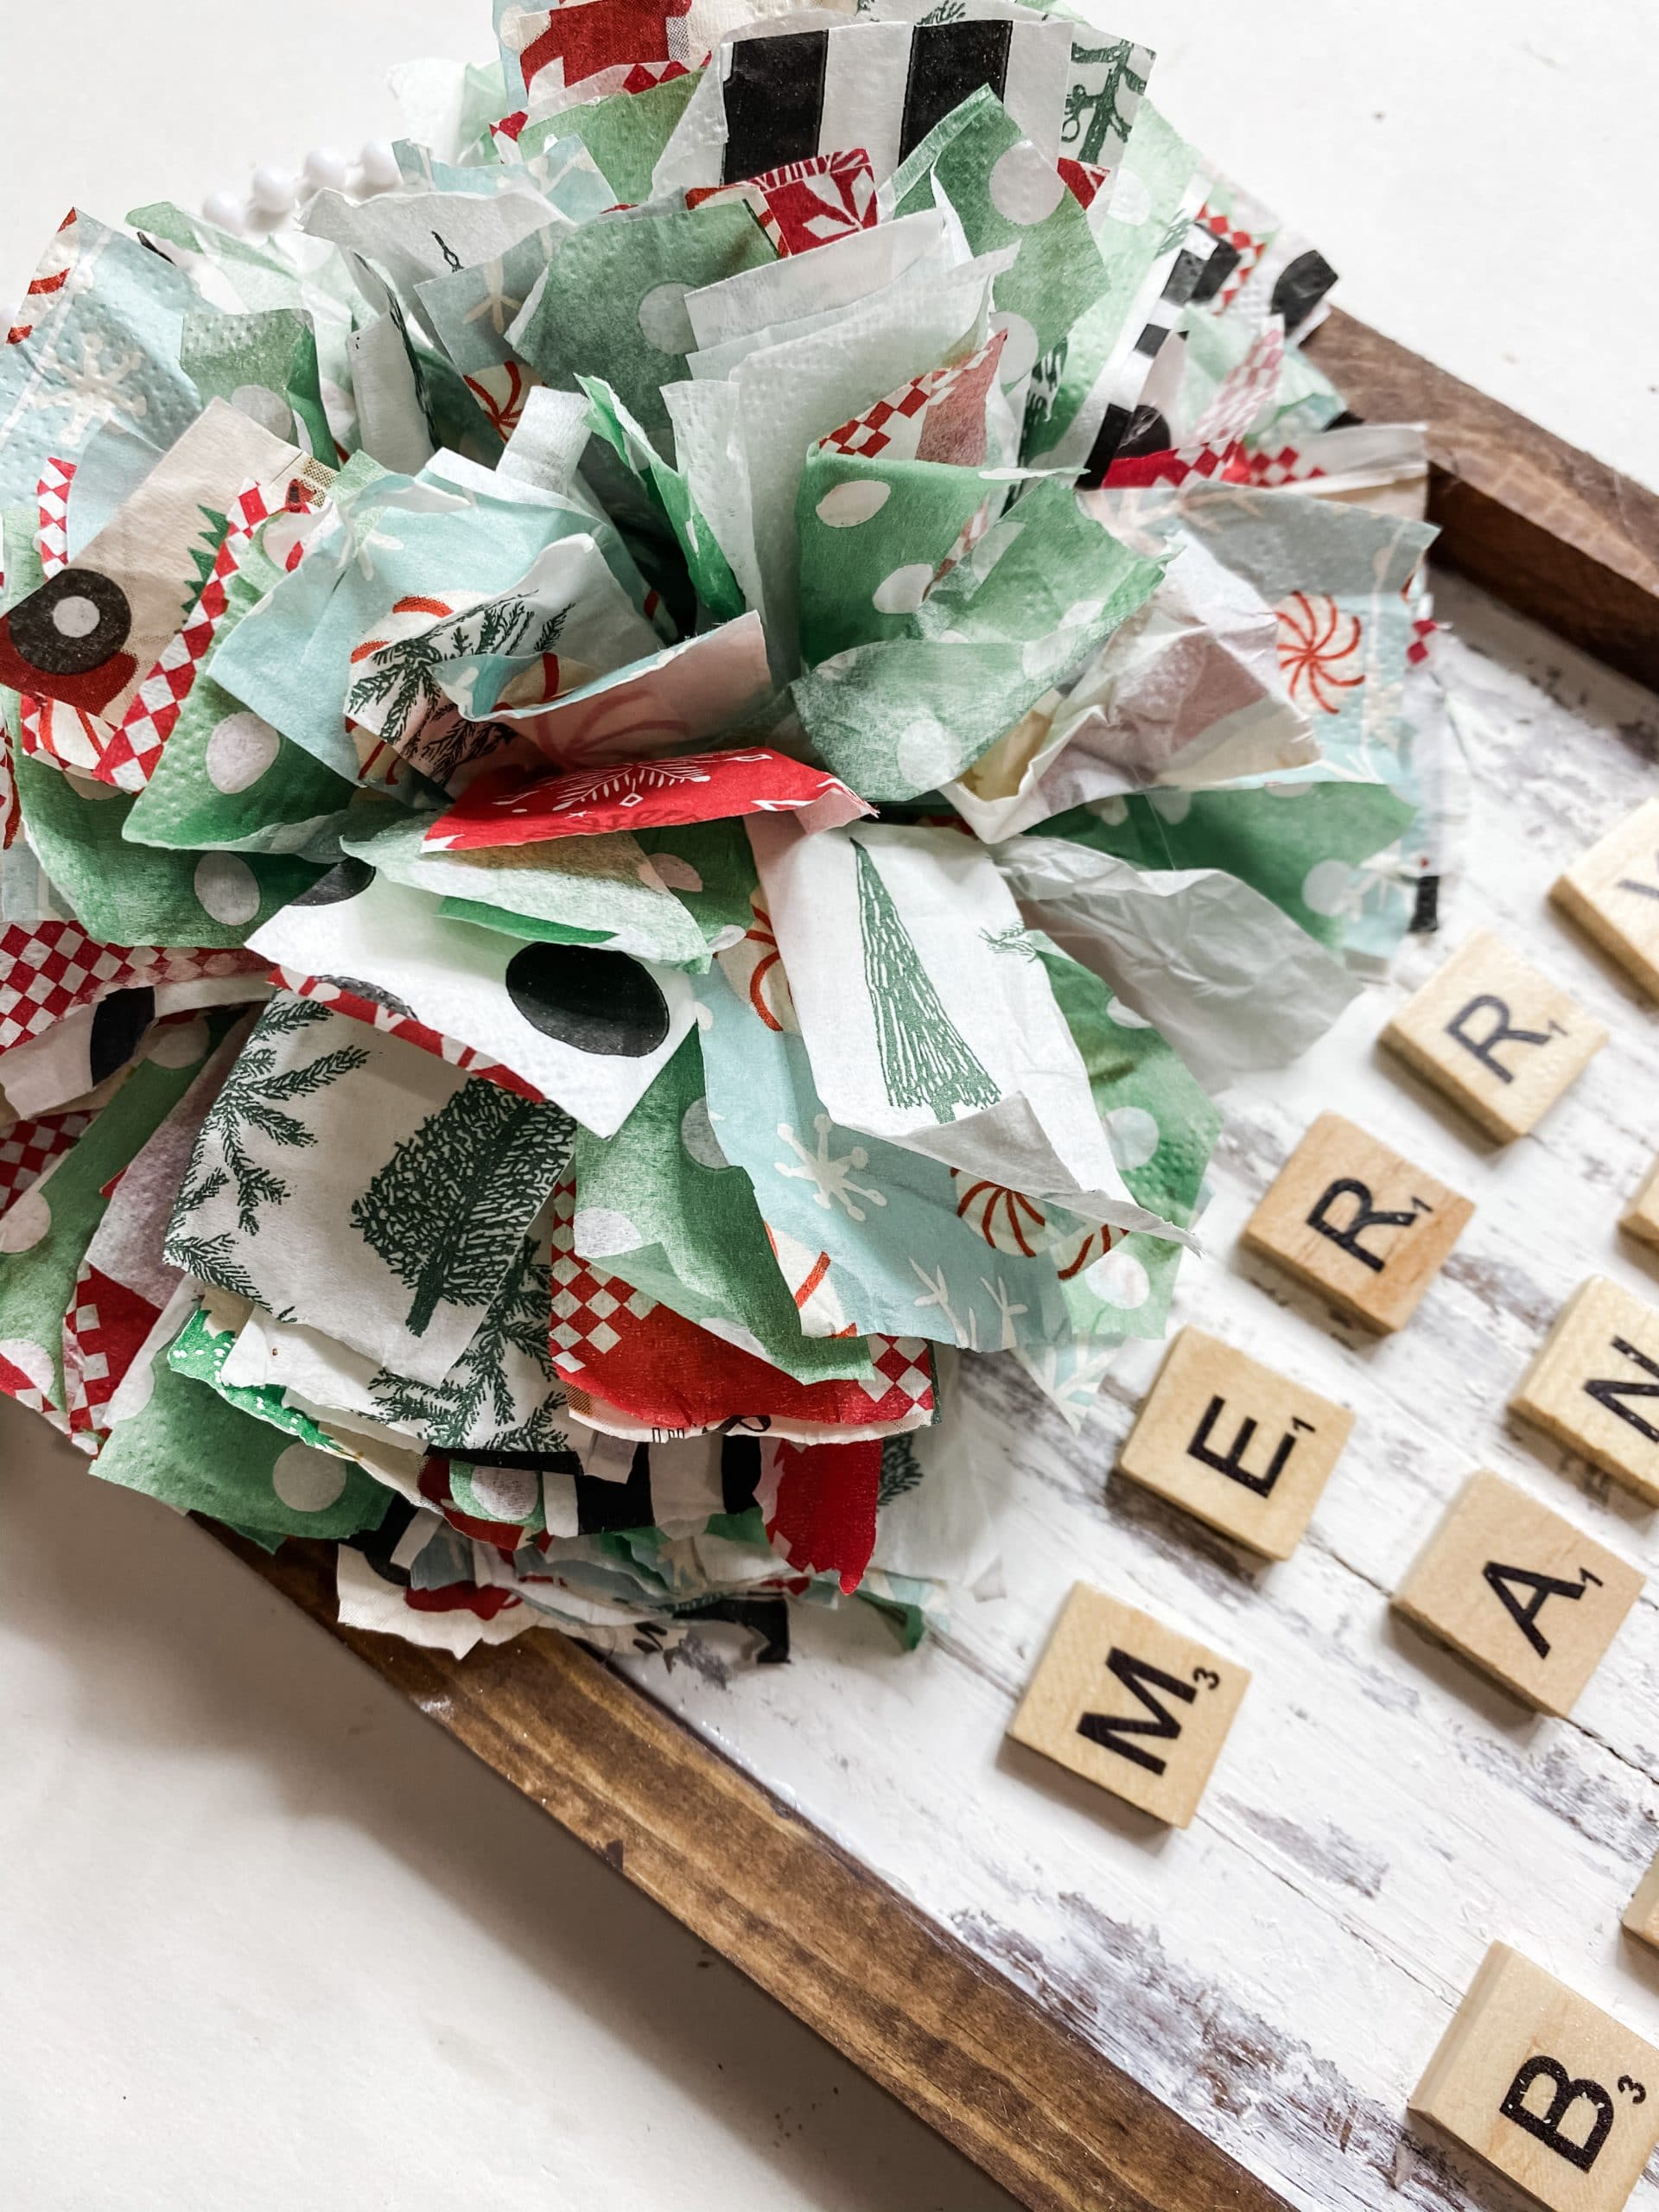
(1028, 2101)
(1558, 535)
(1562, 539)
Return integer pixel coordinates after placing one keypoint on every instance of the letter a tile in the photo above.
(1358, 1223)
(1497, 1037)
(1521, 1591)
(1131, 1704)
(1545, 2087)
(1612, 890)
(1594, 1384)
(1235, 1443)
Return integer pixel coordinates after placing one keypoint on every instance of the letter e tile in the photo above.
(1237, 1444)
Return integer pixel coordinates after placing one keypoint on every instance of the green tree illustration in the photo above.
(252, 1101)
(925, 1060)
(901, 1470)
(1044, 388)
(1176, 233)
(402, 676)
(213, 1259)
(447, 1211)
(1096, 118)
(473, 1407)
(203, 554)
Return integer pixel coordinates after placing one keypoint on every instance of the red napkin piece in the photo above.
(825, 1519)
(508, 809)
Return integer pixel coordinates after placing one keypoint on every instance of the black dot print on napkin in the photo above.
(599, 1002)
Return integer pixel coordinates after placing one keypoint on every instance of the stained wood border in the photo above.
(1561, 538)
(1555, 533)
(1011, 2087)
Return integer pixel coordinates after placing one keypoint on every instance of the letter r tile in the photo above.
(1131, 1704)
(1545, 2087)
(1496, 1037)
(1351, 1219)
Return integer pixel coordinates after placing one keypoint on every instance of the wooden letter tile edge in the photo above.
(1050, 2120)
(1640, 1218)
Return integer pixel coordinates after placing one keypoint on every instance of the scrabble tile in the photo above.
(1612, 890)
(1545, 2087)
(1237, 1444)
(1641, 1914)
(1355, 1221)
(1641, 1218)
(1525, 1595)
(1131, 1704)
(1594, 1383)
(1496, 1036)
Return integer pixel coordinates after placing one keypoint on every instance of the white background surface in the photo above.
(267, 1939)
(1482, 171)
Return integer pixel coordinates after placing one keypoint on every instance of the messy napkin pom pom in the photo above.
(652, 740)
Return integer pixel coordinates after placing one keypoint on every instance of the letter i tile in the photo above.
(1355, 1221)
(1545, 2087)
(1497, 1037)
(1130, 1703)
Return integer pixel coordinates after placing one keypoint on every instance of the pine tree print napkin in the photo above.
(641, 776)
(416, 1181)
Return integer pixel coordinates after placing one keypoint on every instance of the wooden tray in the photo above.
(1091, 2010)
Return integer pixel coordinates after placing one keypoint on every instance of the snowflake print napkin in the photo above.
(869, 1236)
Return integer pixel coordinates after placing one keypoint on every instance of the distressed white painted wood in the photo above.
(1282, 1971)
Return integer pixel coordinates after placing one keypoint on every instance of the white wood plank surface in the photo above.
(1282, 1971)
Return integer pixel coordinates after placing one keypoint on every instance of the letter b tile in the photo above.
(1545, 2087)
(1131, 1704)
(1358, 1223)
